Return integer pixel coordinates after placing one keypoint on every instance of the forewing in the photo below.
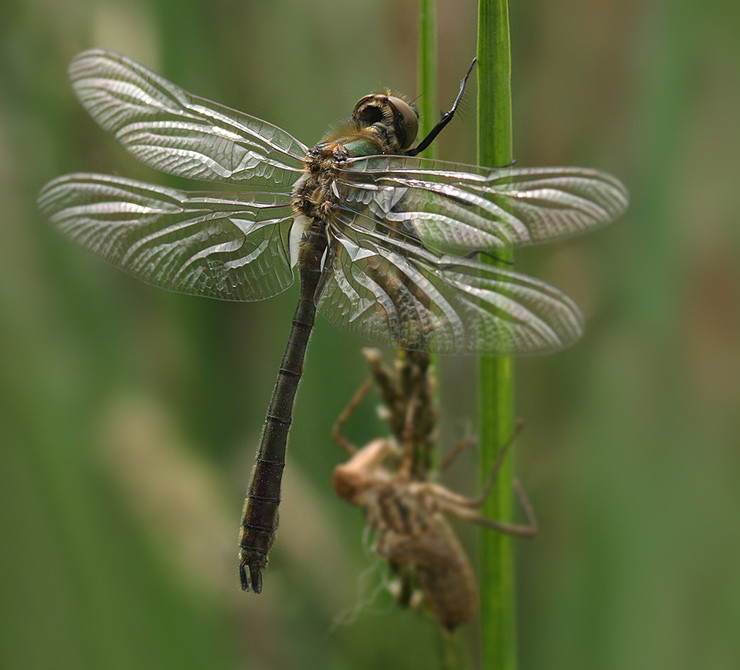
(459, 208)
(215, 245)
(410, 298)
(171, 130)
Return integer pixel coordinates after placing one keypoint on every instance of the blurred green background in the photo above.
(129, 415)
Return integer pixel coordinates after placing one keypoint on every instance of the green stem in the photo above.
(428, 117)
(496, 387)
(427, 73)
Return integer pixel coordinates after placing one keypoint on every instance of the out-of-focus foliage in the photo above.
(128, 415)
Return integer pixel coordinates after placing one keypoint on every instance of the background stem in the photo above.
(427, 72)
(496, 392)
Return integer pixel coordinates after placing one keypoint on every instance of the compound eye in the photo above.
(406, 121)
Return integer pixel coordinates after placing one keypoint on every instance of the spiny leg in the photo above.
(477, 502)
(446, 117)
(462, 507)
(455, 452)
(464, 512)
(356, 399)
(463, 501)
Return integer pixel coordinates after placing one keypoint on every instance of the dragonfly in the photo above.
(385, 243)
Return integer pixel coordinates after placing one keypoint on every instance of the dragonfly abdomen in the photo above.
(260, 515)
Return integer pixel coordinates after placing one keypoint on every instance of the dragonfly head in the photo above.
(399, 119)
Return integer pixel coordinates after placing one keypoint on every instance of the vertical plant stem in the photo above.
(496, 387)
(427, 71)
(426, 105)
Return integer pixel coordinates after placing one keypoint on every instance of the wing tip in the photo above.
(82, 61)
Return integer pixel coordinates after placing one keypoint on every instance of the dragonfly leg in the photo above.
(477, 502)
(530, 529)
(446, 117)
(463, 507)
(455, 451)
(336, 432)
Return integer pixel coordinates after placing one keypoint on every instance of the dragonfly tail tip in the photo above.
(254, 578)
(255, 574)
(243, 577)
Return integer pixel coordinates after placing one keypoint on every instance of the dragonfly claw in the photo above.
(243, 577)
(255, 572)
(255, 577)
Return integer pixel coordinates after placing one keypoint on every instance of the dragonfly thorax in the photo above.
(380, 124)
(313, 195)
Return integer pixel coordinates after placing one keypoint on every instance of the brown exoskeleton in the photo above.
(389, 479)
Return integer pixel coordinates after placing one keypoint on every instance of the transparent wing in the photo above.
(458, 208)
(171, 130)
(217, 245)
(408, 297)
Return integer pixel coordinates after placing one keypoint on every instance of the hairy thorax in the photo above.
(316, 194)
